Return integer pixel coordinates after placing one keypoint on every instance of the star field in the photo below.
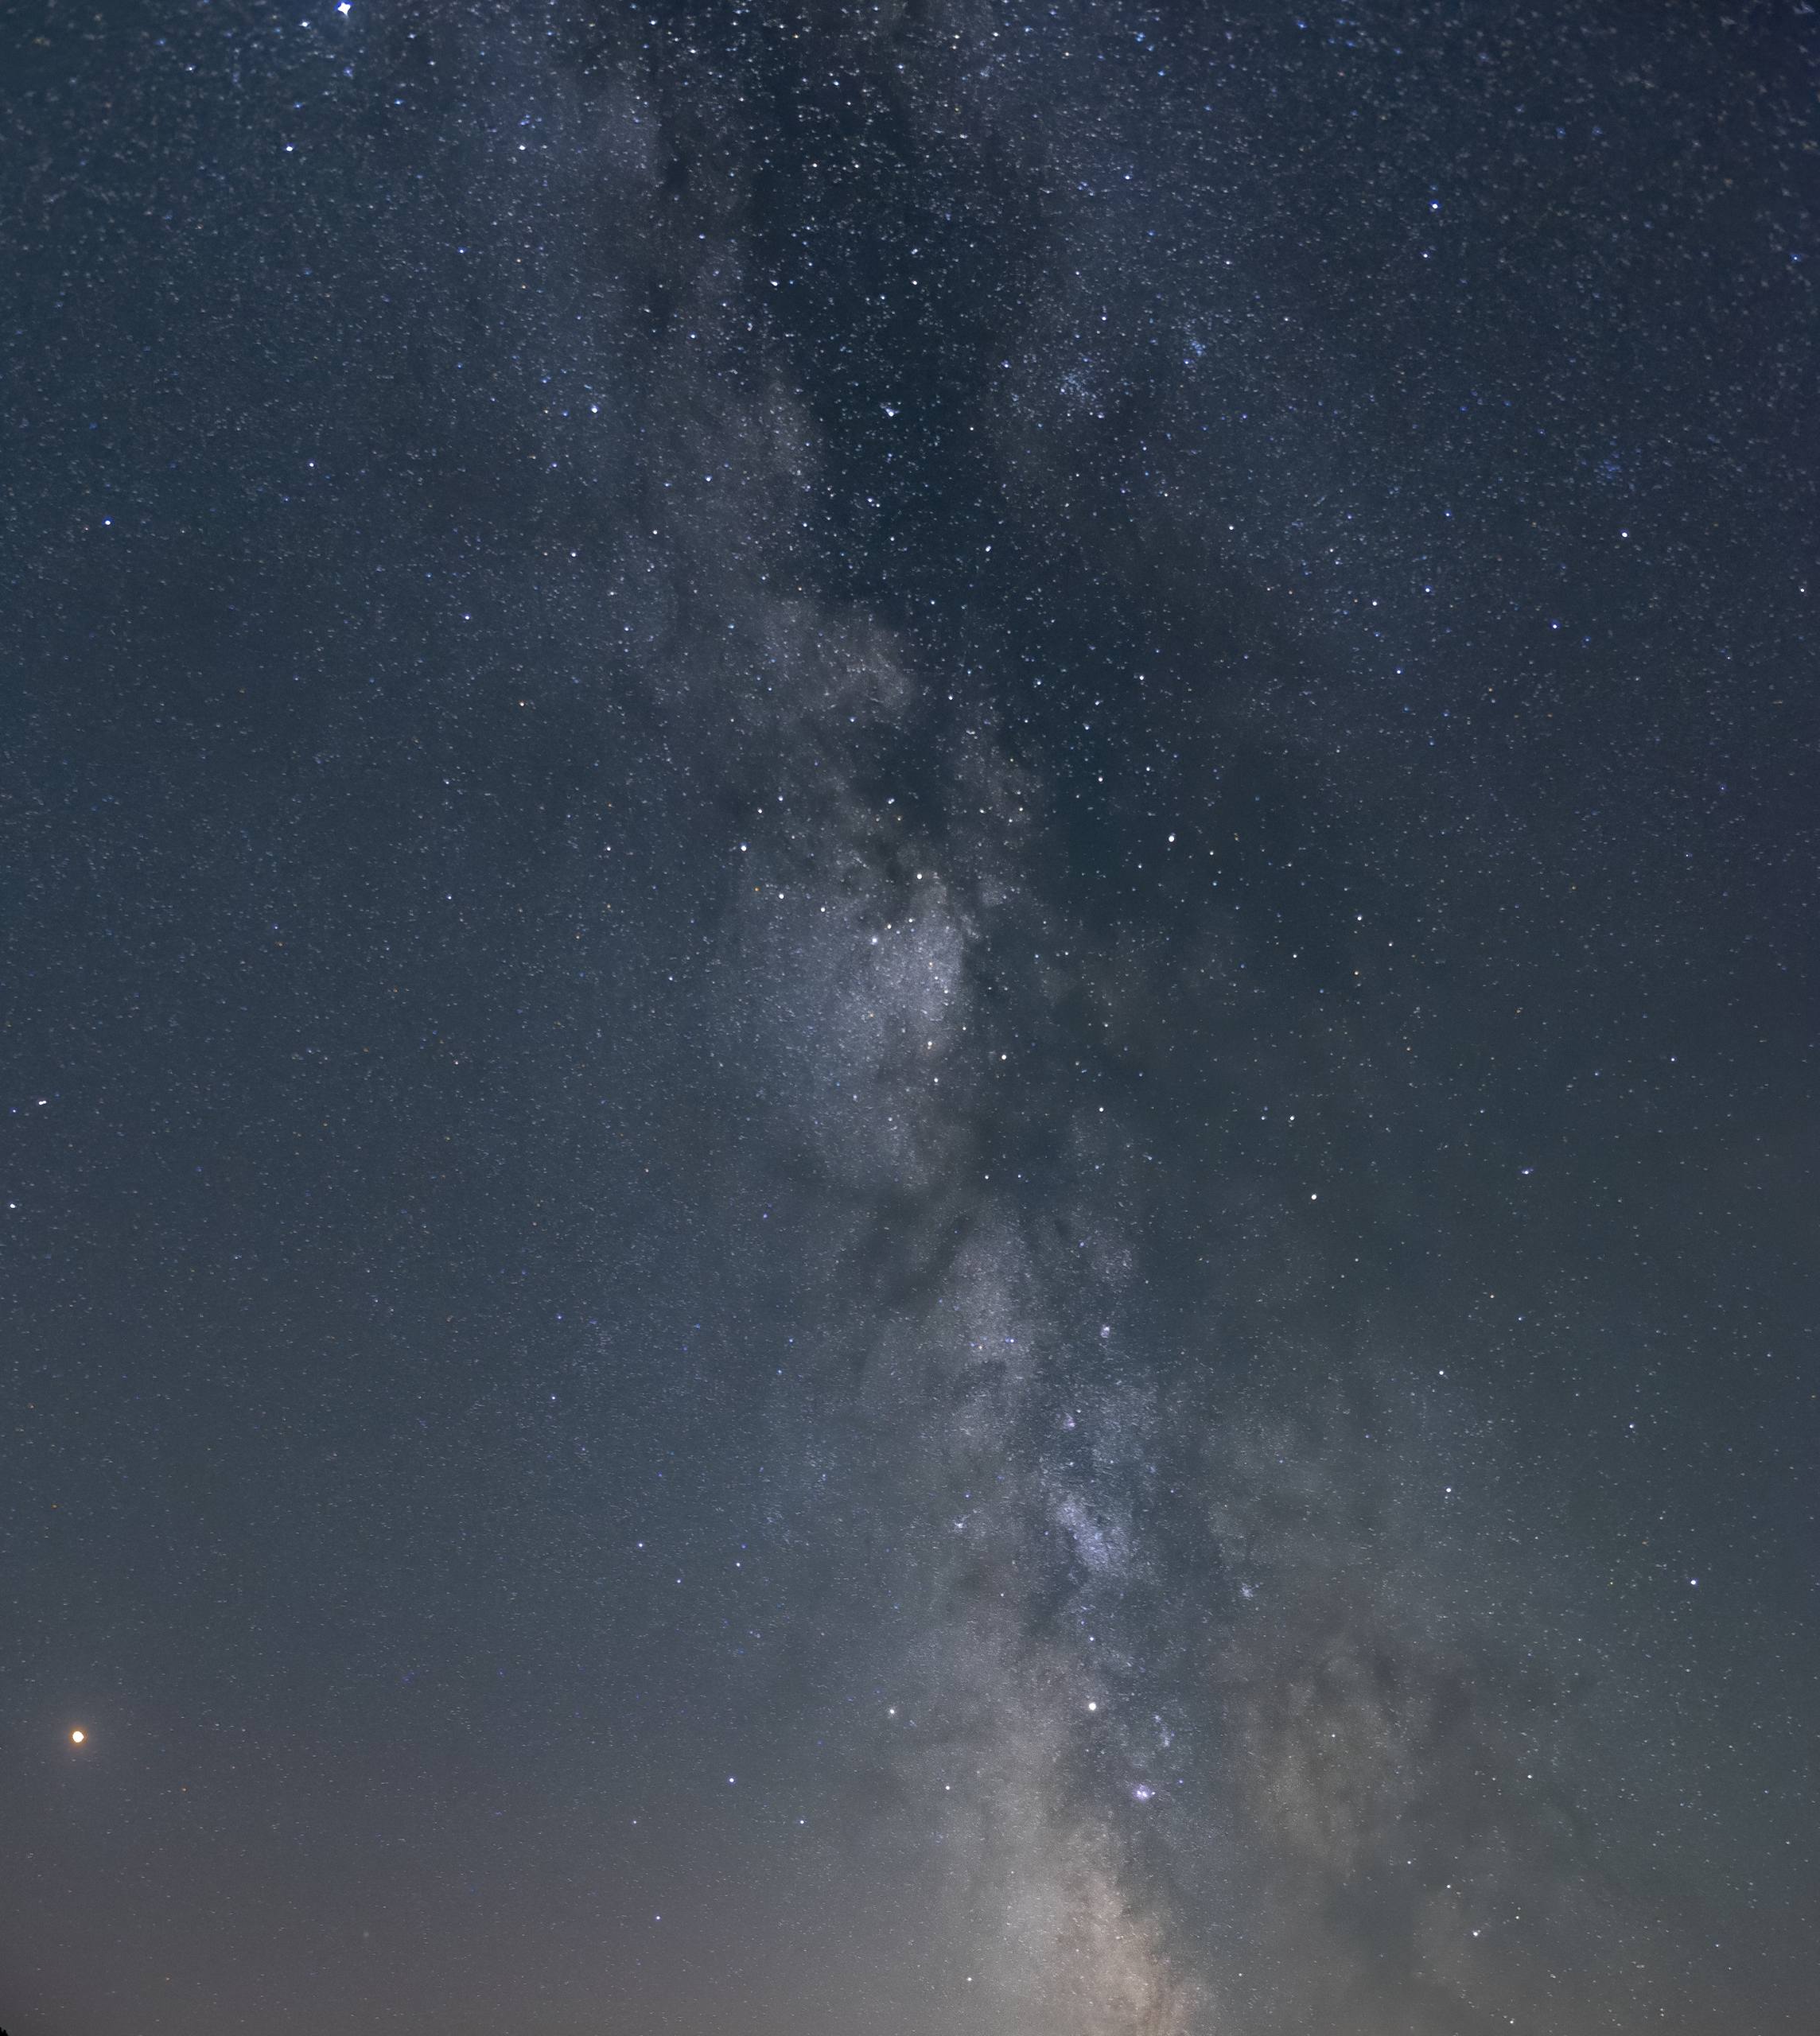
(909, 995)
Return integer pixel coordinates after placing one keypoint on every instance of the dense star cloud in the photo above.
(909, 1011)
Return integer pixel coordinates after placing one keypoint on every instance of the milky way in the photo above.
(919, 944)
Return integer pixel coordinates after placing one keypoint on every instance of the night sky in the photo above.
(909, 952)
